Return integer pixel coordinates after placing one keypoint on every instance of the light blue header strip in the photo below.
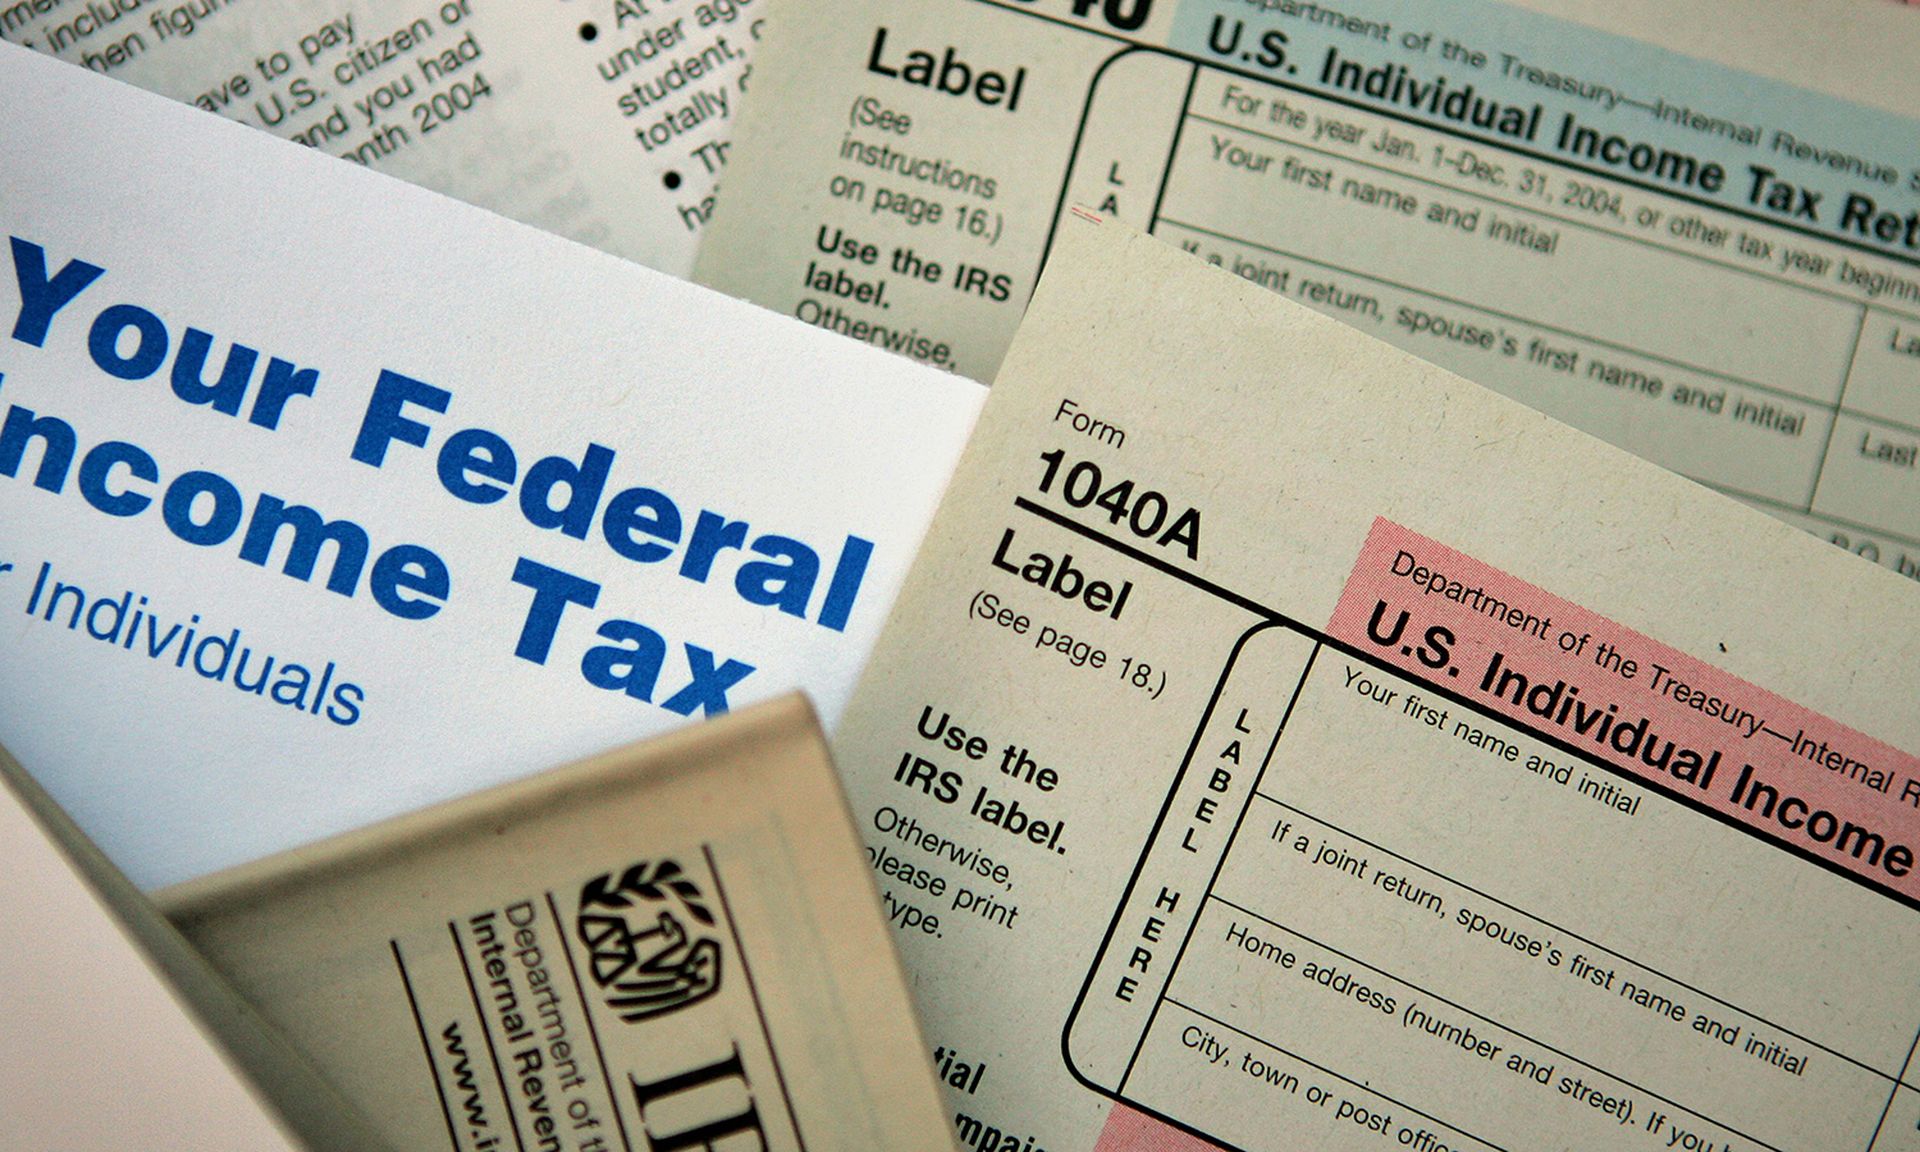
(1570, 94)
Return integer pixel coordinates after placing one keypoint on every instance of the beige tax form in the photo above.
(1694, 236)
(1283, 743)
(669, 946)
(606, 122)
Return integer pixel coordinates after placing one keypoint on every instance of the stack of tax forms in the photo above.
(1273, 741)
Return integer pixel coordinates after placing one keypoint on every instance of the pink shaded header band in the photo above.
(1640, 707)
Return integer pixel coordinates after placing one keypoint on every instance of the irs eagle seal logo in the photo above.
(642, 931)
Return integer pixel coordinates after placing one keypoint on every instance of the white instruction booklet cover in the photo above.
(1281, 743)
(323, 497)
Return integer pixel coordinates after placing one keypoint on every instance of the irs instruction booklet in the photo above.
(118, 1033)
(1283, 743)
(324, 497)
(672, 945)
